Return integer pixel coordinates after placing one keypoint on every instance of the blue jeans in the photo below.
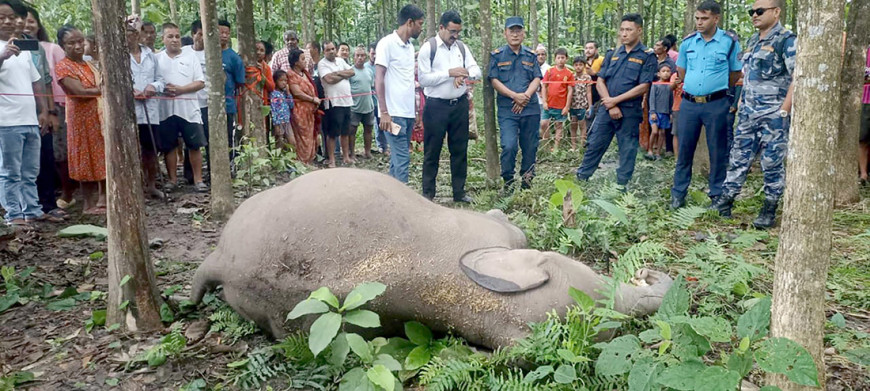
(400, 146)
(601, 134)
(19, 166)
(519, 133)
(714, 117)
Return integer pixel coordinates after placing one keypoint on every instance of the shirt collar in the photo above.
(774, 31)
(637, 47)
(399, 39)
(439, 42)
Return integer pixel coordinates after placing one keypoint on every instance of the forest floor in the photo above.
(55, 336)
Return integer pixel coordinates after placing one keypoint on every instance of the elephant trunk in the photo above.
(643, 300)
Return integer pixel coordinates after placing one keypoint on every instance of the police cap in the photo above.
(513, 21)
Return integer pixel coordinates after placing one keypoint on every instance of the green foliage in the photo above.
(83, 231)
(12, 380)
(230, 323)
(170, 345)
(258, 167)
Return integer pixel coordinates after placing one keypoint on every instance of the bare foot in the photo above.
(331, 164)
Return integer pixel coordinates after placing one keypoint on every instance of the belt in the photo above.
(450, 102)
(705, 98)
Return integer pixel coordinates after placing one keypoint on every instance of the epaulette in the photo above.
(648, 50)
(691, 35)
(528, 49)
(496, 51)
(732, 35)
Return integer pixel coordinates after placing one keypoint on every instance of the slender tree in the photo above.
(219, 162)
(133, 300)
(134, 6)
(689, 18)
(173, 11)
(533, 21)
(804, 252)
(852, 83)
(431, 18)
(490, 132)
(252, 115)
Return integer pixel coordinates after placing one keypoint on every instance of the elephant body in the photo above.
(341, 227)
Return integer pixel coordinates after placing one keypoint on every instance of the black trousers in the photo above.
(445, 117)
(46, 181)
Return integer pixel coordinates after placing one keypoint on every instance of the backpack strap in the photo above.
(433, 47)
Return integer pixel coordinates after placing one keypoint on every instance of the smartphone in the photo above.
(27, 44)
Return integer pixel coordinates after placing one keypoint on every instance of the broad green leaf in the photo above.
(362, 294)
(859, 356)
(98, 317)
(8, 301)
(718, 379)
(681, 376)
(306, 307)
(124, 280)
(363, 318)
(418, 333)
(83, 230)
(166, 314)
(740, 363)
(838, 320)
(755, 322)
(382, 377)
(239, 363)
(418, 357)
(607, 326)
(323, 330)
(688, 344)
(340, 348)
(582, 299)
(716, 329)
(565, 374)
(643, 376)
(68, 292)
(676, 300)
(155, 357)
(614, 357)
(355, 380)
(782, 355)
(61, 305)
(664, 329)
(323, 294)
(613, 210)
(538, 374)
(389, 362)
(360, 347)
(770, 388)
(651, 335)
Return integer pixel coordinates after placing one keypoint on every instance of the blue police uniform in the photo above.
(769, 64)
(621, 72)
(708, 65)
(517, 131)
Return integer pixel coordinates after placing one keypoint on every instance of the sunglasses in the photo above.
(759, 11)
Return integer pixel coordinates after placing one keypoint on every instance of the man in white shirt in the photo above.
(334, 73)
(541, 55)
(444, 65)
(198, 49)
(394, 83)
(146, 84)
(183, 77)
(19, 123)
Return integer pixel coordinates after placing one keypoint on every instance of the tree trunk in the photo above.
(307, 22)
(533, 22)
(134, 6)
(265, 6)
(804, 252)
(135, 305)
(650, 32)
(689, 18)
(431, 18)
(173, 11)
(251, 117)
(219, 162)
(852, 84)
(551, 28)
(490, 132)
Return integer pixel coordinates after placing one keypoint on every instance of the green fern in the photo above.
(512, 380)
(225, 320)
(635, 257)
(257, 368)
(683, 218)
(449, 375)
(294, 348)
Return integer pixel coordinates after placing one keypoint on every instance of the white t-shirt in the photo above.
(203, 93)
(181, 70)
(398, 57)
(17, 75)
(145, 74)
(342, 88)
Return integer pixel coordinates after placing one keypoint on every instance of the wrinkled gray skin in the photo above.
(341, 227)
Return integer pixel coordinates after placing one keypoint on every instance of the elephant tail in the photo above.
(206, 279)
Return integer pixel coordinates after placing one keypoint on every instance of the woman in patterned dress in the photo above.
(85, 145)
(306, 103)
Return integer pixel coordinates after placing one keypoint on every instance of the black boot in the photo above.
(723, 204)
(767, 215)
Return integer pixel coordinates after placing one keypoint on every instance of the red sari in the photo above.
(303, 117)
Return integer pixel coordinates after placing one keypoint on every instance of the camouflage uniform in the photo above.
(768, 67)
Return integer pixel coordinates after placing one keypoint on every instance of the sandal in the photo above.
(97, 210)
(65, 205)
(168, 187)
(47, 217)
(154, 193)
(201, 187)
(20, 224)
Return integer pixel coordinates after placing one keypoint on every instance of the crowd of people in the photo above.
(51, 138)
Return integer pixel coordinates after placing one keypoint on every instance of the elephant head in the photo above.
(545, 274)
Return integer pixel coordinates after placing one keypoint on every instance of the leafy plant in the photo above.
(14, 379)
(230, 323)
(258, 166)
(170, 345)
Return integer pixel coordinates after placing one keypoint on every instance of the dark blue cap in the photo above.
(513, 21)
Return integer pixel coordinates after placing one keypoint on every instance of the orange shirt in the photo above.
(557, 93)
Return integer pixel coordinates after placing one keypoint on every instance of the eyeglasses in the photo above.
(759, 11)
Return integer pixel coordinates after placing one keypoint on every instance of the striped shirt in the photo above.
(866, 99)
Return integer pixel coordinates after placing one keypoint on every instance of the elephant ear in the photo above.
(505, 270)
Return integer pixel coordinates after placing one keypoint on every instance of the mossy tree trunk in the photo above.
(490, 132)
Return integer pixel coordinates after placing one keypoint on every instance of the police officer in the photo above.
(708, 64)
(763, 119)
(625, 76)
(515, 75)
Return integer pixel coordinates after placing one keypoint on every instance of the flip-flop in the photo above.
(96, 211)
(20, 224)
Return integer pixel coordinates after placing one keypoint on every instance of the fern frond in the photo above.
(683, 218)
(294, 348)
(225, 320)
(635, 257)
(449, 375)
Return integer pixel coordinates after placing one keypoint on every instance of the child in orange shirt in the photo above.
(557, 90)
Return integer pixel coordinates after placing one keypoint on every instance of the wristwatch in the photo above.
(783, 113)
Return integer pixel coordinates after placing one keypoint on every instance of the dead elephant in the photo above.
(450, 269)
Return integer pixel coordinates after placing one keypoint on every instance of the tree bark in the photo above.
(135, 305)
(804, 252)
(251, 119)
(431, 18)
(533, 22)
(219, 162)
(852, 84)
(689, 18)
(134, 6)
(307, 22)
(173, 11)
(490, 132)
(265, 6)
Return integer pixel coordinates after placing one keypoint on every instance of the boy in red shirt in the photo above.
(557, 90)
